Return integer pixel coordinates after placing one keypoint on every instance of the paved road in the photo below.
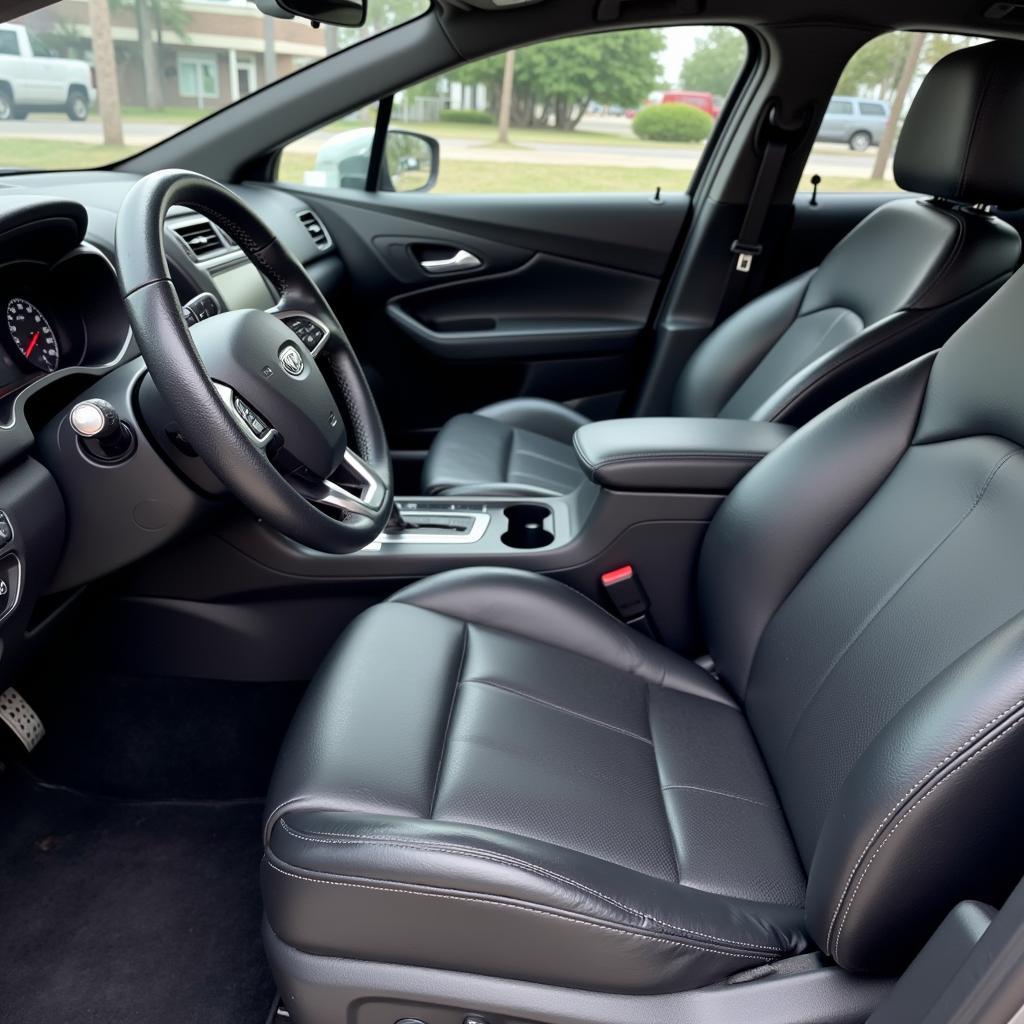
(826, 159)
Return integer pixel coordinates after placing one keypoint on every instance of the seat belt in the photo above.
(748, 245)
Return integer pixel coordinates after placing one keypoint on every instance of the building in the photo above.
(210, 52)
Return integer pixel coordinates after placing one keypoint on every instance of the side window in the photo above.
(857, 138)
(8, 43)
(616, 112)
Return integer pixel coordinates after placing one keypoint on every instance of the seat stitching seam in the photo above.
(718, 792)
(514, 906)
(351, 839)
(910, 810)
(887, 601)
(661, 794)
(983, 730)
(559, 707)
(448, 720)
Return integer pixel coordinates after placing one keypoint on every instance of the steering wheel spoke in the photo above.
(365, 498)
(309, 329)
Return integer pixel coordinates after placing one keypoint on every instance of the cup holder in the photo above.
(526, 527)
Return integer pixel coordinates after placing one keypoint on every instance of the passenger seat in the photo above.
(896, 286)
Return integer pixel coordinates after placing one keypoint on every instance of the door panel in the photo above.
(557, 308)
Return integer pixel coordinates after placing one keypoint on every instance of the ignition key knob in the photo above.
(101, 432)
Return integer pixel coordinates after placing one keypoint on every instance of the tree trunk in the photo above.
(584, 106)
(269, 57)
(106, 72)
(899, 100)
(508, 83)
(147, 51)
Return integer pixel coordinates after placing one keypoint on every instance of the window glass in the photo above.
(616, 112)
(858, 134)
(154, 67)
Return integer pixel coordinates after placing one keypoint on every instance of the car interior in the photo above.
(573, 607)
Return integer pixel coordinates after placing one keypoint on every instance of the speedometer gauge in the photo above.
(33, 335)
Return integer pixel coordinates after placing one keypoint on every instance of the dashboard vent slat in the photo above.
(314, 226)
(202, 239)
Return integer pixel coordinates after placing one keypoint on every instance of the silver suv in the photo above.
(857, 122)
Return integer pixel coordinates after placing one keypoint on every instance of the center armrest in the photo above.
(674, 453)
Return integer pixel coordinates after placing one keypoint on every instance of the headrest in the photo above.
(962, 137)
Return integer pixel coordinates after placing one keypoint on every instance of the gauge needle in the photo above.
(32, 344)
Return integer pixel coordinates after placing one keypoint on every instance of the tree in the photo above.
(911, 64)
(508, 84)
(106, 72)
(153, 16)
(716, 61)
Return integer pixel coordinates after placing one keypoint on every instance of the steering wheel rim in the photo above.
(204, 405)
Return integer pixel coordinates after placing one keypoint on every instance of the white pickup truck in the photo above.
(31, 81)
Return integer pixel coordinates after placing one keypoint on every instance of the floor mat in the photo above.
(116, 912)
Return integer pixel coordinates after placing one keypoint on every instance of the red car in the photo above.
(701, 100)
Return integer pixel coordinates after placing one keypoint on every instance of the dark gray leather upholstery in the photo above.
(897, 286)
(676, 455)
(494, 775)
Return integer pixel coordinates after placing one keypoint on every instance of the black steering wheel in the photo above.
(247, 391)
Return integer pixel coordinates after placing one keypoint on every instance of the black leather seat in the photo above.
(492, 775)
(897, 286)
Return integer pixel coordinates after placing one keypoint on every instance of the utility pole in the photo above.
(147, 50)
(105, 63)
(269, 58)
(507, 88)
(907, 76)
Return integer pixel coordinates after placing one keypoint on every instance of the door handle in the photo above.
(462, 260)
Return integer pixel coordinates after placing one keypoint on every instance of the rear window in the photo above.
(872, 109)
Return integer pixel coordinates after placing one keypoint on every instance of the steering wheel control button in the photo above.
(307, 330)
(101, 433)
(6, 530)
(292, 361)
(202, 307)
(252, 419)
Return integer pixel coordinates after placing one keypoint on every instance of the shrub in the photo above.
(672, 122)
(467, 117)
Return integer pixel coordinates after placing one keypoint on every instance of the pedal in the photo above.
(17, 714)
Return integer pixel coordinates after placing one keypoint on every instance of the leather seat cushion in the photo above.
(522, 447)
(593, 804)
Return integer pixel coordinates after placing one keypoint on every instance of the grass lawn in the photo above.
(54, 155)
(481, 177)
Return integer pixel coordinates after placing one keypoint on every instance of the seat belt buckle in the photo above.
(745, 254)
(628, 597)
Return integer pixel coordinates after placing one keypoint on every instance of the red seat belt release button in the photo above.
(626, 593)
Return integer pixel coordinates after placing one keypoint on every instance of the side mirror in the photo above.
(411, 162)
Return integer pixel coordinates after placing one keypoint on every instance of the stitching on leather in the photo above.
(952, 755)
(559, 707)
(352, 839)
(979, 113)
(951, 256)
(448, 720)
(910, 810)
(252, 250)
(854, 639)
(528, 910)
(718, 792)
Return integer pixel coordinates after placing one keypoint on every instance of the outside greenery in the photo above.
(595, 113)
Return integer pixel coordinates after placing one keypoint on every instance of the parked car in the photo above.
(701, 100)
(32, 80)
(859, 123)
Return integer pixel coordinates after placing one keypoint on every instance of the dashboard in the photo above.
(66, 519)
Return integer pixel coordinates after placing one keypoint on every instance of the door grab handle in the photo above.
(462, 260)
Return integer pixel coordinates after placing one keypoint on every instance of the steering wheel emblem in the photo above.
(291, 360)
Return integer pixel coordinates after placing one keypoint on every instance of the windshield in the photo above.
(85, 83)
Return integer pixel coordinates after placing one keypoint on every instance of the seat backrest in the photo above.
(902, 281)
(863, 589)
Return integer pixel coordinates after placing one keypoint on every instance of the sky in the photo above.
(678, 45)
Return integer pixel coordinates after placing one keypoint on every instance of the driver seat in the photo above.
(507, 792)
(490, 775)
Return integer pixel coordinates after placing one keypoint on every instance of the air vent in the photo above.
(202, 239)
(312, 223)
